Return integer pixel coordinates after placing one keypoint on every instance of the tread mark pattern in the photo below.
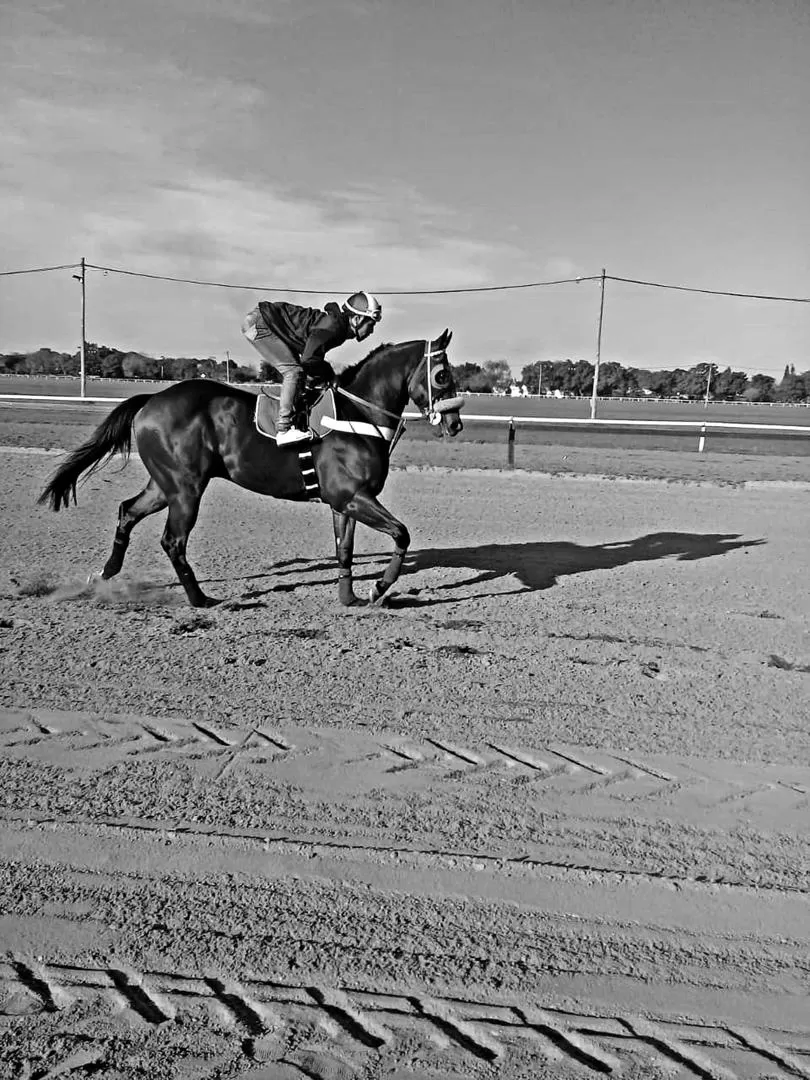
(371, 1021)
(609, 777)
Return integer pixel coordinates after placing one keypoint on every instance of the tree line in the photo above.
(105, 362)
(575, 378)
(569, 377)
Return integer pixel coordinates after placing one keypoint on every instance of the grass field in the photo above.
(68, 386)
(484, 404)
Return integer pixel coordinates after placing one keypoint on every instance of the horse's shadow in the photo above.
(537, 565)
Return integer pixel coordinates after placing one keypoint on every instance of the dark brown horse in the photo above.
(197, 430)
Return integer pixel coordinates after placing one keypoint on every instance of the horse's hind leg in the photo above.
(344, 549)
(364, 508)
(183, 510)
(130, 512)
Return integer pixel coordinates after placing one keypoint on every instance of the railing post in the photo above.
(510, 444)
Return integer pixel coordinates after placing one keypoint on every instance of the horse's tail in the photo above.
(112, 436)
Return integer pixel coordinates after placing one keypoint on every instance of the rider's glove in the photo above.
(321, 371)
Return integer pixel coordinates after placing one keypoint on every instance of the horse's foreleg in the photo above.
(365, 509)
(130, 512)
(344, 549)
(183, 510)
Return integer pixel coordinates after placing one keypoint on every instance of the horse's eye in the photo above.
(441, 377)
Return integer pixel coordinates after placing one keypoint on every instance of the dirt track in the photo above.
(544, 816)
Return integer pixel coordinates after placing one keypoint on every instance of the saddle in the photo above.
(266, 417)
(266, 414)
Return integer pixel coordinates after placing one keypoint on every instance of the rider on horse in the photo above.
(295, 340)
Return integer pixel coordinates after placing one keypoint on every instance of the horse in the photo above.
(200, 429)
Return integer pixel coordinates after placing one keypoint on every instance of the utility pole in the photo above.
(82, 365)
(598, 348)
(708, 385)
(227, 366)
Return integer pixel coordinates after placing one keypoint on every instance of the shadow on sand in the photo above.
(536, 565)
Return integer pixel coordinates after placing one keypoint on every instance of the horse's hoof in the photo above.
(377, 599)
(347, 596)
(94, 576)
(355, 601)
(205, 601)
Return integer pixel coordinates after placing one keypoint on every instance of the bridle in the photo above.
(434, 409)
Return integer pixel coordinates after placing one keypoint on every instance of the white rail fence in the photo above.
(702, 427)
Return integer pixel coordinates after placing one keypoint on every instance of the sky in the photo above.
(329, 145)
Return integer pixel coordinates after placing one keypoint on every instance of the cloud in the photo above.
(116, 181)
(236, 231)
(120, 157)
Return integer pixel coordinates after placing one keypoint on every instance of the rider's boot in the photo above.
(286, 431)
(285, 436)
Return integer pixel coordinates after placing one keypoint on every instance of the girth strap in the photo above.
(312, 488)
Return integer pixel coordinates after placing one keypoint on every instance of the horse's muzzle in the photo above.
(446, 415)
(451, 423)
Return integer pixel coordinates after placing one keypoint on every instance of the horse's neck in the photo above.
(383, 381)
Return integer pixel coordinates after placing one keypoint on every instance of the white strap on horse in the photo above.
(359, 427)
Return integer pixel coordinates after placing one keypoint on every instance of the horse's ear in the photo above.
(444, 338)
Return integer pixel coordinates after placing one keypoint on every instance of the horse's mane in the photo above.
(349, 373)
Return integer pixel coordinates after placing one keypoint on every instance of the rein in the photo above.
(433, 411)
(362, 401)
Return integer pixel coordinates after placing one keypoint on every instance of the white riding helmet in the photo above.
(364, 304)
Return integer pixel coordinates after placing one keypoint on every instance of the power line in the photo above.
(330, 292)
(412, 292)
(455, 291)
(710, 292)
(39, 269)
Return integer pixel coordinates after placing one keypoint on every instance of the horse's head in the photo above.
(433, 390)
(381, 385)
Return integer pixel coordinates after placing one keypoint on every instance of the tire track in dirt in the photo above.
(719, 781)
(684, 948)
(266, 840)
(372, 1022)
(577, 807)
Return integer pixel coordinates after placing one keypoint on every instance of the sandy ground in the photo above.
(543, 816)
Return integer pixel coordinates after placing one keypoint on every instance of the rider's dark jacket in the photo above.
(309, 332)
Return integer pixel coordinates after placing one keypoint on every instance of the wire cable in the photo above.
(709, 292)
(40, 269)
(413, 292)
(329, 292)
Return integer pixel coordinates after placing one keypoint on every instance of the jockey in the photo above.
(295, 340)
